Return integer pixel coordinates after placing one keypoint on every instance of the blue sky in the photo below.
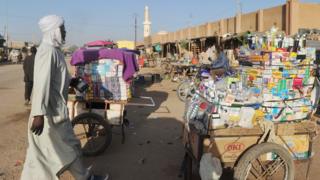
(88, 20)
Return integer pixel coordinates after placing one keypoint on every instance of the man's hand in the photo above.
(37, 125)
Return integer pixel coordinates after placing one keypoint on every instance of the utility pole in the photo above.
(135, 30)
(7, 28)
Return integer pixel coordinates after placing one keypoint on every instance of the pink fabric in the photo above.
(99, 43)
(83, 56)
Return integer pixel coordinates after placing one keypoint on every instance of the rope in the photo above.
(268, 129)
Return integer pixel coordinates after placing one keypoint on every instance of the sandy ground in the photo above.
(154, 135)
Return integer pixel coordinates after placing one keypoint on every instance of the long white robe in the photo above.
(57, 147)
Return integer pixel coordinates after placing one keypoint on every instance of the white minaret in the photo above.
(146, 23)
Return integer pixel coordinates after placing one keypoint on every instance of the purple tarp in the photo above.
(99, 43)
(83, 56)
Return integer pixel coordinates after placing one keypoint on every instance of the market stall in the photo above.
(259, 120)
(109, 74)
(179, 71)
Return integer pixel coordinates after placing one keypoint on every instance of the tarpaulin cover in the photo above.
(83, 56)
(99, 43)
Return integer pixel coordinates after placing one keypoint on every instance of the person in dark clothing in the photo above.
(28, 74)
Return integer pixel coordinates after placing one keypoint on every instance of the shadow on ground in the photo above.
(153, 147)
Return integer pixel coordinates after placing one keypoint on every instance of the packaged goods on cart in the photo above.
(277, 89)
(271, 41)
(105, 79)
(298, 145)
(263, 108)
(108, 72)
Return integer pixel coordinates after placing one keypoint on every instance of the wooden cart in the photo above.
(94, 123)
(247, 152)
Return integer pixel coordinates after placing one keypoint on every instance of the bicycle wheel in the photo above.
(254, 164)
(183, 90)
(165, 67)
(93, 132)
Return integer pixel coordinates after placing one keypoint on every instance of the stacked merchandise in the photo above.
(109, 72)
(271, 41)
(273, 83)
(277, 86)
(105, 79)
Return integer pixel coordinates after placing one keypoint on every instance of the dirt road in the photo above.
(13, 121)
(152, 138)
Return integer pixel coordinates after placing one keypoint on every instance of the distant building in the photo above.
(125, 44)
(16, 44)
(162, 33)
(289, 17)
(146, 23)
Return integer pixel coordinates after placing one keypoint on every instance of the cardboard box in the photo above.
(297, 145)
(114, 117)
(115, 107)
(228, 149)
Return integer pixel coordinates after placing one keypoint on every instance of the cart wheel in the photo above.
(183, 91)
(254, 164)
(93, 132)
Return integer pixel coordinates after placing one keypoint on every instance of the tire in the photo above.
(99, 131)
(183, 91)
(244, 163)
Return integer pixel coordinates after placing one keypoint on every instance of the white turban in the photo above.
(50, 22)
(50, 27)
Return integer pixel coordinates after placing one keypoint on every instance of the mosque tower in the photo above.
(146, 23)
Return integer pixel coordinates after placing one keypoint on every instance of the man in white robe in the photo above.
(53, 146)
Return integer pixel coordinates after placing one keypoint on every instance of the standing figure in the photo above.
(28, 74)
(53, 147)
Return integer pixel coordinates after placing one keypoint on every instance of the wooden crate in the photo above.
(229, 149)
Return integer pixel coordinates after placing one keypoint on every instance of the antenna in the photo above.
(239, 7)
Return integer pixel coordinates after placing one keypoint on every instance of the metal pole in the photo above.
(7, 21)
(135, 31)
(7, 28)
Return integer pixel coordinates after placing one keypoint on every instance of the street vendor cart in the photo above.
(108, 74)
(258, 121)
(266, 151)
